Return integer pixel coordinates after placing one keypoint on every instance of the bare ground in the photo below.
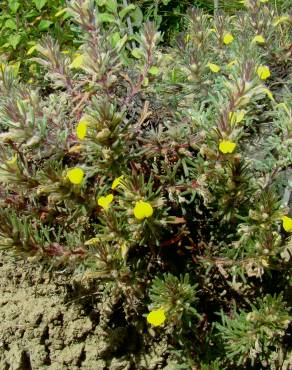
(51, 321)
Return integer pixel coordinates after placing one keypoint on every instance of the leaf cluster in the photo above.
(193, 137)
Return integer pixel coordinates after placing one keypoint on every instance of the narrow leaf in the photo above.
(126, 10)
(106, 17)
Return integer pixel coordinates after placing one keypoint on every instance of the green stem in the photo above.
(216, 7)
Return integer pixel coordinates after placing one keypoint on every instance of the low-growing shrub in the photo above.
(23, 22)
(165, 173)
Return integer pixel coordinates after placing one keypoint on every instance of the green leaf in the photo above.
(122, 42)
(78, 61)
(145, 82)
(31, 14)
(124, 58)
(31, 50)
(158, 19)
(111, 6)
(154, 71)
(126, 10)
(11, 24)
(101, 2)
(13, 5)
(40, 3)
(44, 25)
(165, 2)
(137, 53)
(106, 17)
(14, 40)
(67, 15)
(137, 17)
(60, 12)
(174, 75)
(15, 68)
(115, 38)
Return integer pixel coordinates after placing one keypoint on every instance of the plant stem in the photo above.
(216, 7)
(125, 3)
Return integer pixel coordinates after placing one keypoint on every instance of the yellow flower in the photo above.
(124, 250)
(236, 117)
(78, 61)
(258, 39)
(75, 149)
(92, 241)
(117, 182)
(156, 317)
(12, 161)
(142, 210)
(75, 175)
(263, 72)
(287, 223)
(228, 38)
(227, 146)
(213, 67)
(232, 63)
(105, 202)
(280, 20)
(265, 262)
(81, 129)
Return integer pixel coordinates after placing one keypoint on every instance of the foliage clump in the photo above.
(164, 172)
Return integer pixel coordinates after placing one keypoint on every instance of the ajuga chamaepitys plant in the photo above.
(163, 172)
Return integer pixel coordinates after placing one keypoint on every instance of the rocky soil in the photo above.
(52, 321)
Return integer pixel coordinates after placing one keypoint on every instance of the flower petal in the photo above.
(213, 67)
(117, 182)
(156, 317)
(81, 129)
(259, 39)
(263, 72)
(143, 210)
(227, 146)
(78, 61)
(228, 38)
(287, 223)
(105, 202)
(232, 63)
(75, 175)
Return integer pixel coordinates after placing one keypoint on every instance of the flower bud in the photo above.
(103, 135)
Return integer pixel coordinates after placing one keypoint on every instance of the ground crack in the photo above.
(81, 358)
